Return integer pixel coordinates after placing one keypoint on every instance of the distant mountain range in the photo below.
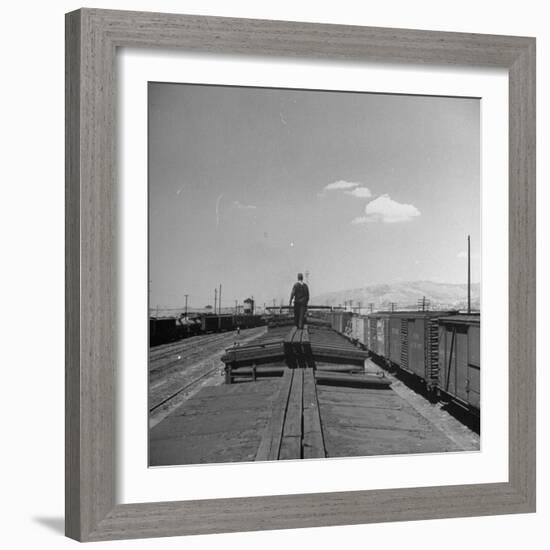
(404, 295)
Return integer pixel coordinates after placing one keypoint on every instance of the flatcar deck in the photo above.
(290, 413)
(365, 422)
(246, 422)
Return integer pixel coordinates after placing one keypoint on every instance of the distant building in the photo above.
(248, 306)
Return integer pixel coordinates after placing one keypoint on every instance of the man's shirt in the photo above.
(300, 293)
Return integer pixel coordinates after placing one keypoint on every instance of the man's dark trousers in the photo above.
(299, 314)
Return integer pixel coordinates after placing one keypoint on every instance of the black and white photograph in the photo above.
(314, 274)
(271, 245)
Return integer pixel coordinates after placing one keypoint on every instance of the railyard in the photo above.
(277, 392)
(178, 370)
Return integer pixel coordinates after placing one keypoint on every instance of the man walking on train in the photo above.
(300, 295)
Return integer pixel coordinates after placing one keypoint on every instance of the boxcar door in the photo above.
(447, 367)
(416, 347)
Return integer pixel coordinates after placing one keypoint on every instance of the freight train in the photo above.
(169, 329)
(439, 349)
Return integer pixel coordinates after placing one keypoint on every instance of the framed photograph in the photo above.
(300, 275)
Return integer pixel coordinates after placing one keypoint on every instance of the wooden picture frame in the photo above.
(92, 38)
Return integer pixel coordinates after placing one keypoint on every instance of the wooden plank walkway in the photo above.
(313, 444)
(291, 444)
(270, 444)
(294, 430)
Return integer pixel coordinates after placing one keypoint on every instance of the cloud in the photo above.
(242, 206)
(360, 193)
(349, 187)
(385, 209)
(340, 184)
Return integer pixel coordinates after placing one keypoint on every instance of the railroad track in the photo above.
(189, 349)
(181, 359)
(184, 368)
(182, 346)
(183, 388)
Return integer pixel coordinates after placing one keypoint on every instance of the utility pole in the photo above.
(424, 304)
(215, 300)
(469, 292)
(186, 296)
(220, 300)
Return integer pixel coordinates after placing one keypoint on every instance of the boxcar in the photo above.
(210, 323)
(459, 359)
(241, 321)
(419, 345)
(340, 321)
(408, 340)
(226, 322)
(248, 321)
(161, 330)
(377, 330)
(244, 321)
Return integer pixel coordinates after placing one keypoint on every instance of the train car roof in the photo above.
(161, 318)
(413, 313)
(461, 319)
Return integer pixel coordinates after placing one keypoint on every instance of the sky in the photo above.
(249, 186)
